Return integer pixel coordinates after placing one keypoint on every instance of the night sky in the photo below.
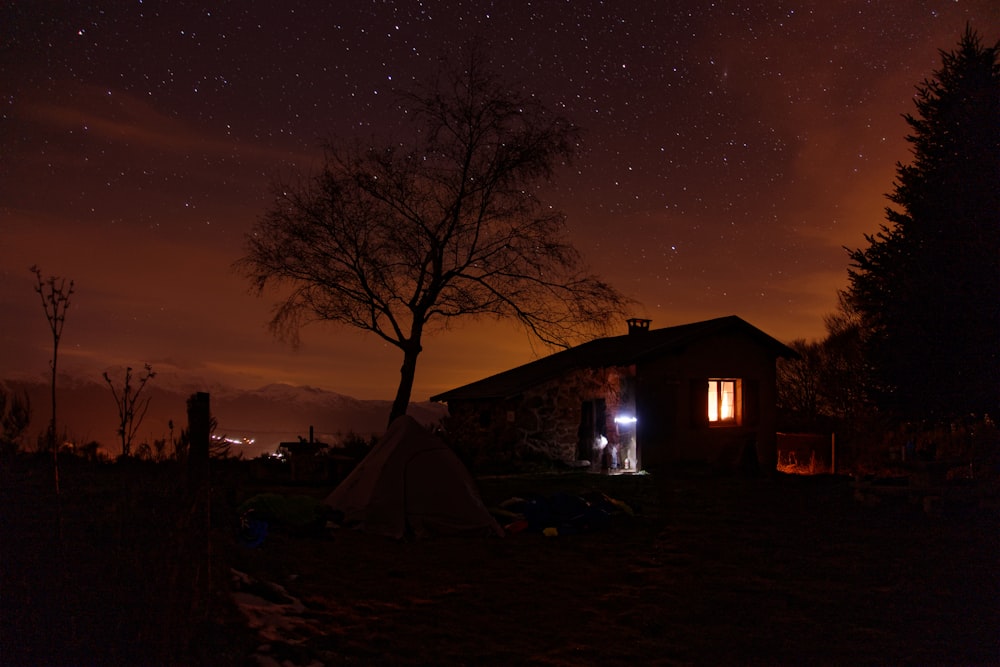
(731, 150)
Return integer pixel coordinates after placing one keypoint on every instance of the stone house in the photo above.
(701, 392)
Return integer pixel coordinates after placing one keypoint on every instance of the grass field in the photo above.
(711, 569)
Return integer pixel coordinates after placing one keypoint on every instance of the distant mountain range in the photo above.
(270, 415)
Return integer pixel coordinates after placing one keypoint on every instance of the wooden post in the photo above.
(199, 427)
(833, 453)
(199, 431)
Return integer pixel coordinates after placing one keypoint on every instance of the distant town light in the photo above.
(242, 442)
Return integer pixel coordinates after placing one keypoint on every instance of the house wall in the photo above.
(671, 399)
(543, 423)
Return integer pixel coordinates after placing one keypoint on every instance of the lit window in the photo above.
(724, 401)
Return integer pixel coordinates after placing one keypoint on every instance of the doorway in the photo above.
(593, 425)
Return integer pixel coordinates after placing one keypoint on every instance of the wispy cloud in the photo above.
(128, 121)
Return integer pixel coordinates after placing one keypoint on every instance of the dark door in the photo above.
(593, 420)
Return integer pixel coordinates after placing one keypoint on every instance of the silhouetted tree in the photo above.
(800, 383)
(826, 388)
(15, 415)
(927, 287)
(398, 240)
(55, 295)
(160, 450)
(180, 445)
(131, 408)
(847, 375)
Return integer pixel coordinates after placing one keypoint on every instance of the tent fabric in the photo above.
(412, 482)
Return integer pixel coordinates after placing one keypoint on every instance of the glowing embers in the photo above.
(724, 401)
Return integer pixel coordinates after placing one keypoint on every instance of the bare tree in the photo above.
(800, 383)
(55, 295)
(401, 240)
(131, 408)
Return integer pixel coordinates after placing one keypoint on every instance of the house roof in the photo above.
(604, 353)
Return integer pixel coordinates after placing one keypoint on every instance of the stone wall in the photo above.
(541, 424)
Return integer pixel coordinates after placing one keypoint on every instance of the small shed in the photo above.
(700, 392)
(303, 459)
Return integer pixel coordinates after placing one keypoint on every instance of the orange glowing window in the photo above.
(724, 402)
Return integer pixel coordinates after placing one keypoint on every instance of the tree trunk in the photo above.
(406, 374)
(53, 435)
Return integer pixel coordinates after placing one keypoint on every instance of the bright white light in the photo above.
(625, 419)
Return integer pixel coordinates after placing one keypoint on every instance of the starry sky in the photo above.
(731, 150)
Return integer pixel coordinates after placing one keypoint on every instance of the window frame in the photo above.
(714, 387)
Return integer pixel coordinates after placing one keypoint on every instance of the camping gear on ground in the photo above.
(252, 530)
(412, 483)
(295, 514)
(561, 513)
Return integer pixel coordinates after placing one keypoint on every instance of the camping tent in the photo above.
(411, 481)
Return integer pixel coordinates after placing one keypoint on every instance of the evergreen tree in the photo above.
(928, 284)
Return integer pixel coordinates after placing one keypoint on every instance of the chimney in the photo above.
(637, 325)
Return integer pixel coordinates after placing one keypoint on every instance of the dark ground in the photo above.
(712, 570)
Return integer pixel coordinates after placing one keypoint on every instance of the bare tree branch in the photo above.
(56, 296)
(131, 408)
(401, 240)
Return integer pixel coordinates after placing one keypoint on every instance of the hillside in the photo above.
(268, 415)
